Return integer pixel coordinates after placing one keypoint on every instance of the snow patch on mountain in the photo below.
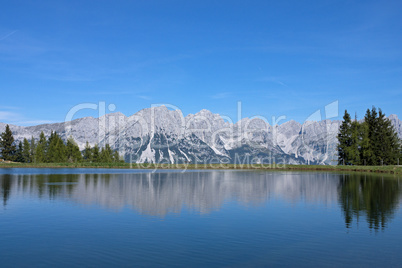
(158, 134)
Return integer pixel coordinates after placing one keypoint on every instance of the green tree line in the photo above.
(52, 150)
(372, 142)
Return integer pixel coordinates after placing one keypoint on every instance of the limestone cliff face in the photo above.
(161, 135)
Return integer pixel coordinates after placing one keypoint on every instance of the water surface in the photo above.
(103, 218)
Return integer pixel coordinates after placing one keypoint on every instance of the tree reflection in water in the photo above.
(374, 197)
(5, 182)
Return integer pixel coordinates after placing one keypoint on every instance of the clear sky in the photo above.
(278, 58)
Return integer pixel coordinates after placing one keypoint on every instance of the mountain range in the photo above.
(160, 135)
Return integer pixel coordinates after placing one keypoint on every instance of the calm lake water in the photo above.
(104, 218)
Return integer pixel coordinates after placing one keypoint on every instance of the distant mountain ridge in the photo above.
(160, 135)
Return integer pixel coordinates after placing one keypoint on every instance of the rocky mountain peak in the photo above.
(158, 134)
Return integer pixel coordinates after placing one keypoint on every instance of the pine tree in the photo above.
(102, 155)
(116, 157)
(380, 142)
(33, 150)
(87, 153)
(353, 151)
(344, 140)
(56, 149)
(7, 146)
(18, 154)
(61, 153)
(106, 154)
(73, 151)
(95, 153)
(366, 148)
(388, 141)
(371, 120)
(77, 155)
(40, 152)
(51, 148)
(26, 151)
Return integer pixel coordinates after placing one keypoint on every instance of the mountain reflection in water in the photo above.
(373, 197)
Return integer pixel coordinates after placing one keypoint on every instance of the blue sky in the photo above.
(277, 58)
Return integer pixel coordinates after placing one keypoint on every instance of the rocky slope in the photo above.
(160, 135)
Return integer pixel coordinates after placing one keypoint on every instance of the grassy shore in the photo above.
(375, 169)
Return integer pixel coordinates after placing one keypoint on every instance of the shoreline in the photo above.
(397, 170)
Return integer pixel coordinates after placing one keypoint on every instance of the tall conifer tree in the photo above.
(40, 153)
(33, 150)
(73, 151)
(7, 146)
(18, 155)
(366, 148)
(87, 153)
(353, 151)
(387, 146)
(371, 120)
(116, 157)
(344, 139)
(95, 153)
(26, 151)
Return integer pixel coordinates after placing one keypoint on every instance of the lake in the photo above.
(213, 218)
